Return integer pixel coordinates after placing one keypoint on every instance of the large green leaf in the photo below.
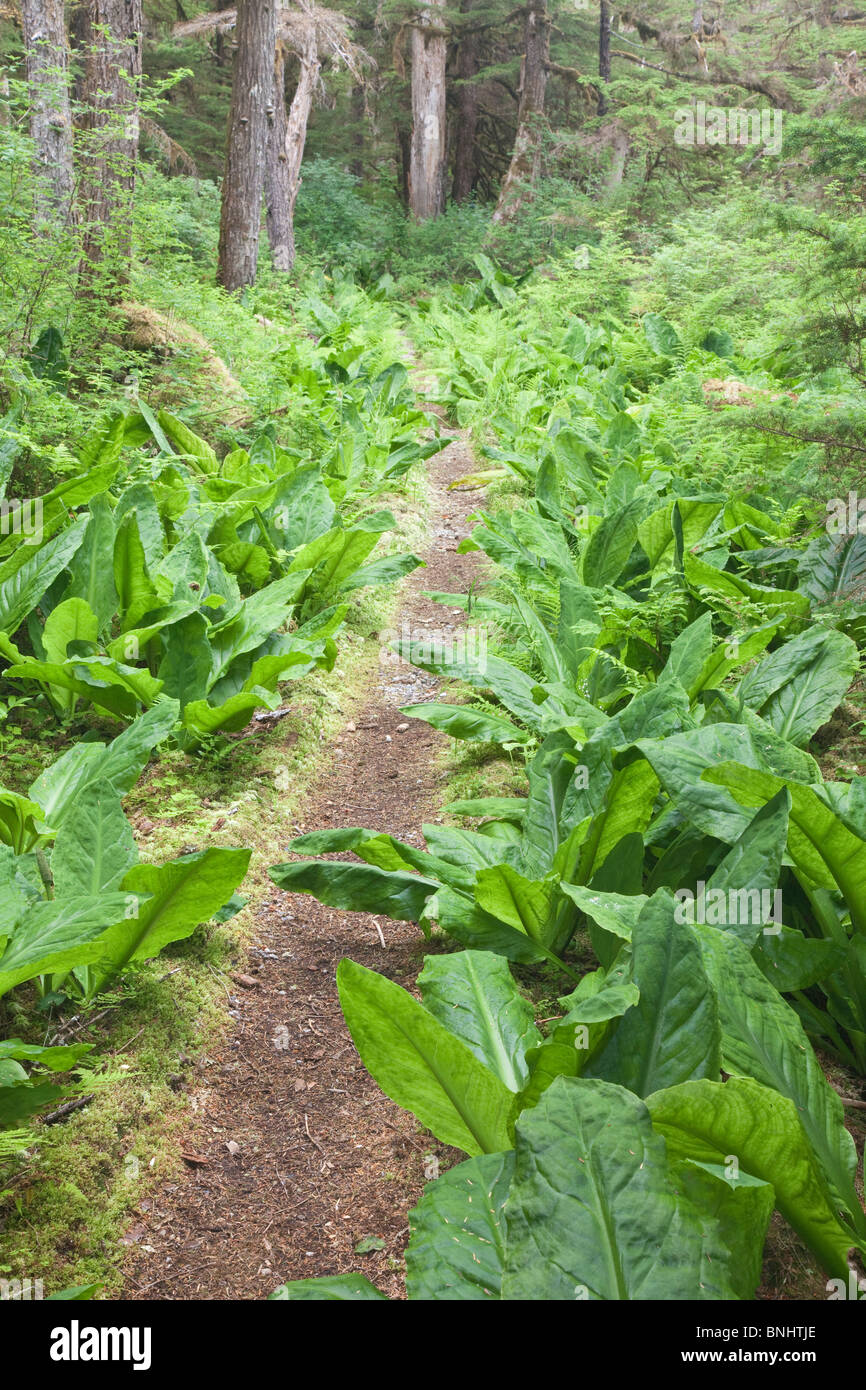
(763, 1038)
(331, 1288)
(797, 687)
(751, 867)
(56, 936)
(29, 573)
(95, 847)
(741, 1206)
(182, 894)
(821, 845)
(385, 571)
(709, 1121)
(473, 994)
(672, 1033)
(91, 578)
(834, 567)
(594, 1211)
(357, 887)
(421, 1065)
(466, 722)
(457, 1243)
(118, 765)
(610, 545)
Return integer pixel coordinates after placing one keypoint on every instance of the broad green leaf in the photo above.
(672, 1033)
(662, 336)
(73, 620)
(183, 893)
(118, 765)
(25, 577)
(594, 1212)
(56, 936)
(763, 1038)
(741, 1207)
(421, 1065)
(797, 687)
(610, 545)
(100, 680)
(752, 866)
(331, 1288)
(474, 995)
(709, 1121)
(91, 578)
(94, 847)
(820, 844)
(456, 1248)
(466, 722)
(385, 571)
(357, 887)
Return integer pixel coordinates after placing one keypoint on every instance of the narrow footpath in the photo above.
(302, 1157)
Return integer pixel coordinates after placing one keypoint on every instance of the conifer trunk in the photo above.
(46, 56)
(251, 114)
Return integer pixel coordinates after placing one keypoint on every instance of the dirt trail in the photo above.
(304, 1155)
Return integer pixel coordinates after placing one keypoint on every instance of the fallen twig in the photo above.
(68, 1108)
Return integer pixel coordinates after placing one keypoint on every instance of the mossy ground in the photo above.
(66, 1200)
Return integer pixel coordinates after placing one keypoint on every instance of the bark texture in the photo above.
(46, 55)
(466, 120)
(428, 149)
(286, 149)
(109, 32)
(251, 114)
(525, 163)
(279, 217)
(604, 24)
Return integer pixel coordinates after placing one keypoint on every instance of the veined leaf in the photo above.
(593, 1211)
(473, 994)
(421, 1065)
(707, 1120)
(456, 1247)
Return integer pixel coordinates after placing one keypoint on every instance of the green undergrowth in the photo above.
(66, 1199)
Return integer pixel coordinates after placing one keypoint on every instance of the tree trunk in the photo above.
(603, 55)
(526, 159)
(110, 34)
(358, 108)
(427, 157)
(286, 151)
(50, 114)
(299, 114)
(466, 127)
(277, 204)
(252, 110)
(404, 159)
(5, 114)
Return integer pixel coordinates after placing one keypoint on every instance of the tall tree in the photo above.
(46, 56)
(314, 35)
(525, 163)
(466, 121)
(250, 117)
(281, 238)
(604, 23)
(289, 136)
(428, 149)
(109, 32)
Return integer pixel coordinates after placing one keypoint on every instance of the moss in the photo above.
(65, 1202)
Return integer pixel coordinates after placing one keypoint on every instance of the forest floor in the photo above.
(294, 1157)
